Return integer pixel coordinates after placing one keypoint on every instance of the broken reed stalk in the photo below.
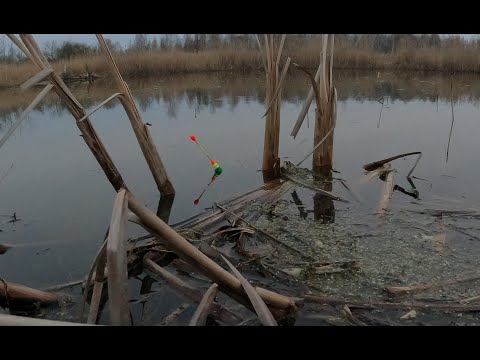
(376, 164)
(358, 304)
(273, 101)
(325, 112)
(261, 309)
(24, 114)
(387, 193)
(117, 262)
(11, 292)
(92, 274)
(160, 274)
(140, 129)
(33, 52)
(199, 318)
(402, 290)
(97, 287)
(229, 284)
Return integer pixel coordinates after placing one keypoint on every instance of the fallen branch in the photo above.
(401, 290)
(200, 316)
(387, 305)
(261, 309)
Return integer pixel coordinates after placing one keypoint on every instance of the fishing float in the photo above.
(218, 170)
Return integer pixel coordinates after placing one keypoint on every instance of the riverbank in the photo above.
(157, 63)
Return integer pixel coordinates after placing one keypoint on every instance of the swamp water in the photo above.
(51, 181)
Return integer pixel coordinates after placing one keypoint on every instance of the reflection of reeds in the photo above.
(201, 90)
(453, 118)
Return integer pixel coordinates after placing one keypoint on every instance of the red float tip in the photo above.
(196, 201)
(193, 137)
(212, 162)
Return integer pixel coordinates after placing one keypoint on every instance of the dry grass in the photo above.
(155, 63)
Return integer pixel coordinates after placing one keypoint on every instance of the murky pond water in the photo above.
(51, 181)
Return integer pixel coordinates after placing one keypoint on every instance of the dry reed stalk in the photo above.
(199, 318)
(159, 274)
(261, 309)
(387, 193)
(273, 99)
(227, 283)
(14, 292)
(97, 289)
(36, 78)
(359, 304)
(402, 290)
(31, 49)
(141, 131)
(376, 164)
(24, 114)
(117, 262)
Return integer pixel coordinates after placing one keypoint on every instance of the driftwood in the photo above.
(261, 309)
(159, 273)
(358, 304)
(11, 293)
(200, 316)
(401, 290)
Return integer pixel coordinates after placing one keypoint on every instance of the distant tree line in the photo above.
(382, 43)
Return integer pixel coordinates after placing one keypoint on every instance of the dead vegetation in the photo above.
(273, 275)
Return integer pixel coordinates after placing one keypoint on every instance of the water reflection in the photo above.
(323, 206)
(165, 207)
(212, 179)
(209, 93)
